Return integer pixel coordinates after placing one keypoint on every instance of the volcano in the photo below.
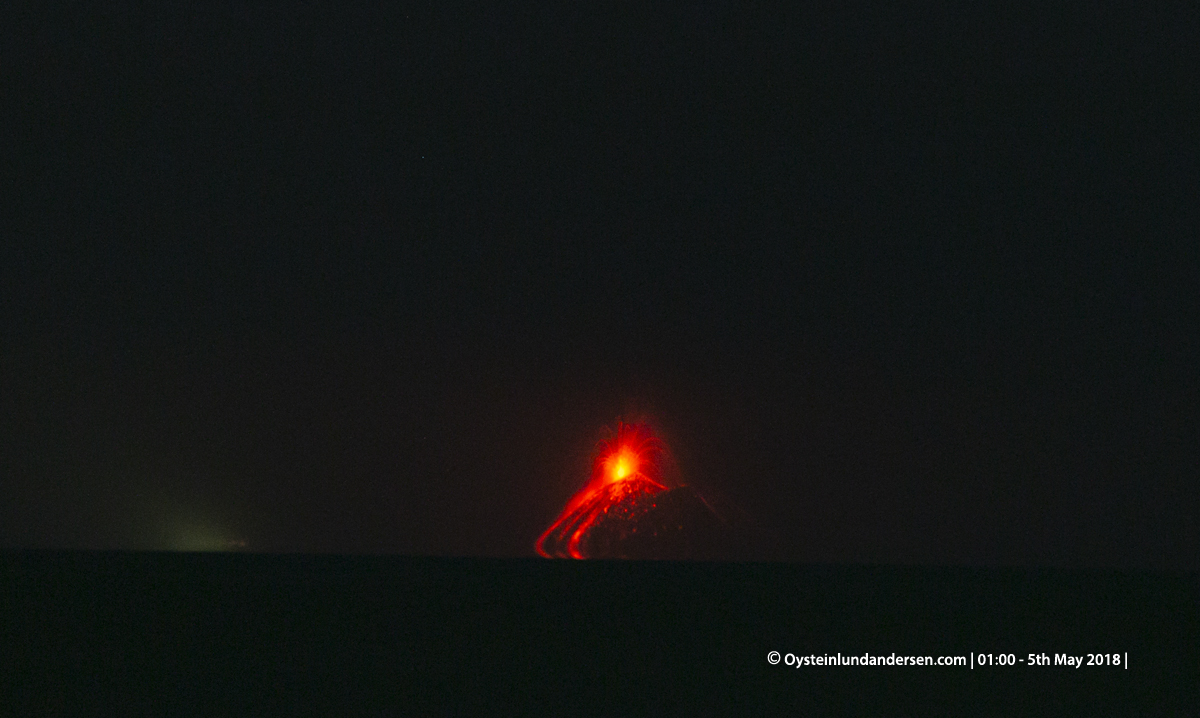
(628, 511)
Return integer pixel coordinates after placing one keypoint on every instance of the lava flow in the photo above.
(625, 476)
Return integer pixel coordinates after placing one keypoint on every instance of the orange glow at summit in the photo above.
(622, 465)
(627, 467)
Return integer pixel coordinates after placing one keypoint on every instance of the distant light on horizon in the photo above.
(202, 536)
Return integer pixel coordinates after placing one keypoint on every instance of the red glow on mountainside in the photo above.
(627, 468)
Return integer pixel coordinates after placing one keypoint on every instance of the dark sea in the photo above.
(188, 634)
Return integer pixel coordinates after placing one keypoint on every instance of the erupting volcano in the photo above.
(629, 510)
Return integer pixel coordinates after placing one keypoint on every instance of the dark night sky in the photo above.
(910, 286)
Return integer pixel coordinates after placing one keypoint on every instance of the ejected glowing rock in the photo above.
(628, 510)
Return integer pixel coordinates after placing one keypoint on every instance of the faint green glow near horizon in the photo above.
(202, 536)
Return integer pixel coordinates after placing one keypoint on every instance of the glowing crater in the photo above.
(625, 478)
